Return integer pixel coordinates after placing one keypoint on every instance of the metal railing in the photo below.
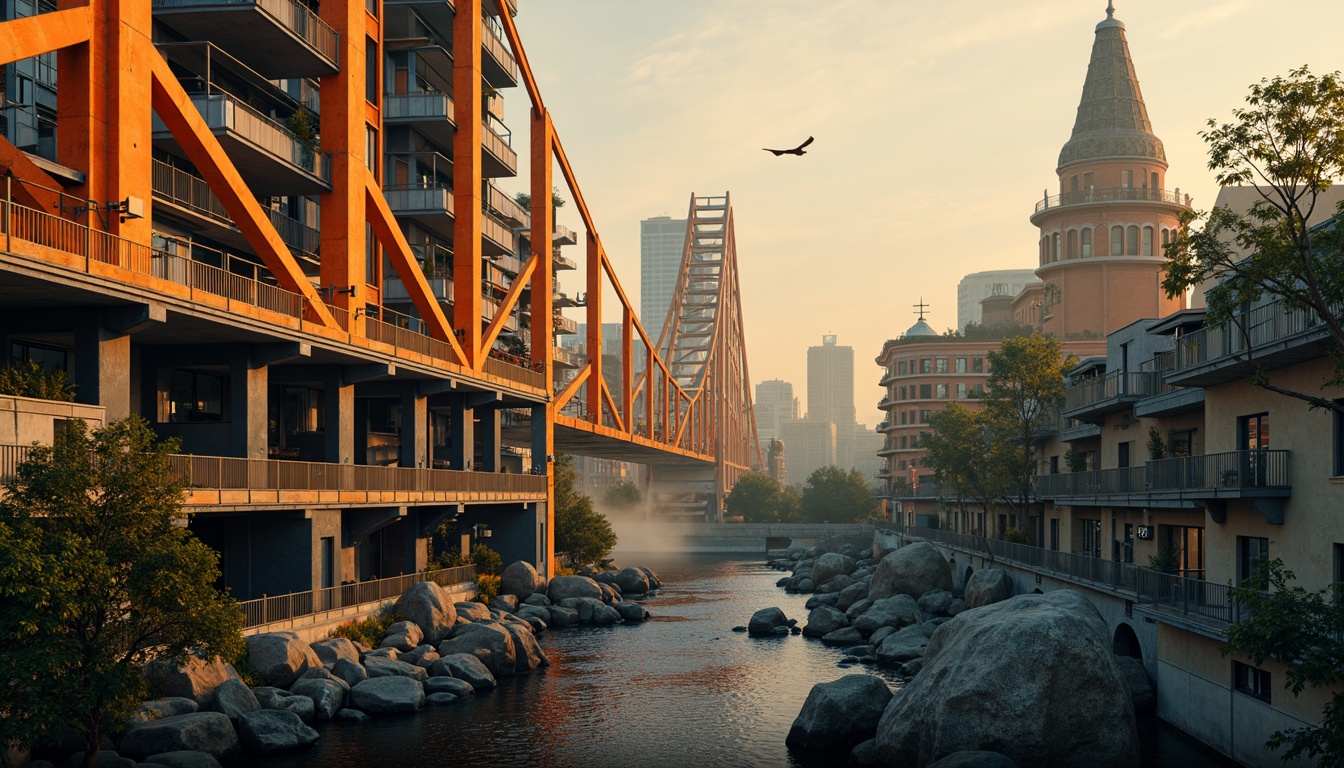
(1244, 334)
(266, 610)
(1192, 598)
(222, 111)
(231, 473)
(192, 192)
(498, 146)
(418, 104)
(1092, 483)
(493, 43)
(1111, 194)
(1113, 385)
(1261, 468)
(289, 13)
(431, 197)
(10, 458)
(506, 207)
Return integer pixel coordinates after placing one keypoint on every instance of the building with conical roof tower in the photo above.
(1101, 257)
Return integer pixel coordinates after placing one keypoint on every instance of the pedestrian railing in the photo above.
(223, 472)
(269, 609)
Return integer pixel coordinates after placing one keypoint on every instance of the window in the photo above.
(371, 149)
(1087, 180)
(1252, 681)
(924, 416)
(1087, 243)
(1250, 551)
(1054, 534)
(903, 392)
(371, 71)
(1054, 247)
(1187, 542)
(925, 391)
(925, 365)
(940, 365)
(960, 366)
(940, 391)
(1073, 183)
(978, 365)
(961, 391)
(1117, 240)
(901, 367)
(1153, 180)
(51, 359)
(1181, 442)
(1338, 579)
(1132, 240)
(1054, 465)
(1125, 549)
(1073, 245)
(1091, 538)
(902, 464)
(904, 442)
(903, 417)
(303, 410)
(1129, 179)
(1122, 455)
(196, 397)
(1147, 241)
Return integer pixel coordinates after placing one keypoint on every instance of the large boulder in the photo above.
(562, 587)
(403, 635)
(271, 730)
(431, 609)
(632, 581)
(560, 616)
(465, 666)
(849, 595)
(168, 706)
(975, 760)
(840, 713)
(768, 622)
(279, 657)
(527, 651)
(896, 611)
(521, 580)
(987, 586)
(632, 611)
(830, 565)
(1043, 680)
(184, 759)
(936, 602)
(328, 695)
(904, 645)
(911, 570)
(352, 672)
(824, 620)
(443, 684)
(334, 649)
(1136, 680)
(209, 732)
(234, 699)
(473, 611)
(377, 666)
(195, 680)
(388, 695)
(490, 643)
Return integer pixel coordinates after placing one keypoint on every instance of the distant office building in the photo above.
(776, 462)
(811, 446)
(774, 405)
(830, 383)
(868, 443)
(978, 286)
(662, 239)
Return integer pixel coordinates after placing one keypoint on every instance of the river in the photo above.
(680, 690)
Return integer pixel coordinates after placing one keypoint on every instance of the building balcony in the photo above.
(1111, 195)
(277, 38)
(569, 358)
(1269, 336)
(429, 112)
(563, 235)
(505, 208)
(921, 491)
(1079, 431)
(563, 324)
(564, 262)
(1167, 399)
(497, 158)
(496, 238)
(430, 206)
(1117, 391)
(497, 65)
(270, 159)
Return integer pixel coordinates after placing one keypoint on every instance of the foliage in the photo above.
(755, 497)
(582, 535)
(790, 505)
(1015, 536)
(247, 673)
(1157, 447)
(836, 496)
(31, 380)
(1076, 461)
(525, 199)
(622, 497)
(1167, 559)
(1288, 142)
(97, 578)
(966, 458)
(564, 570)
(369, 630)
(487, 587)
(487, 561)
(304, 125)
(1305, 630)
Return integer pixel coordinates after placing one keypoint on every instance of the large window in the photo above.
(925, 391)
(196, 396)
(925, 365)
(960, 365)
(1090, 538)
(1251, 550)
(1087, 243)
(924, 416)
(1117, 240)
(51, 359)
(978, 365)
(940, 365)
(1132, 240)
(961, 391)
(1186, 546)
(303, 410)
(941, 391)
(1252, 681)
(901, 367)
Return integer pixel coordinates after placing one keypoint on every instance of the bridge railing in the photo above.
(268, 609)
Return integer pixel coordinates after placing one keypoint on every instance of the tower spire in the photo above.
(1110, 9)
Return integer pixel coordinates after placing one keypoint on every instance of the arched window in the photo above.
(1132, 240)
(1147, 241)
(1042, 250)
(1154, 184)
(1073, 183)
(1117, 240)
(1054, 250)
(1072, 253)
(1087, 243)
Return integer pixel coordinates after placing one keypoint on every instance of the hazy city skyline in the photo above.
(847, 238)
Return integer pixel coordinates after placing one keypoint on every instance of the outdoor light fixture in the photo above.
(130, 208)
(329, 292)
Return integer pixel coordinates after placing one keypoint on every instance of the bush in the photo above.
(1015, 536)
(487, 561)
(250, 676)
(487, 587)
(31, 380)
(368, 630)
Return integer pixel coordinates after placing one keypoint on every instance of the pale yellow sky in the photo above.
(937, 127)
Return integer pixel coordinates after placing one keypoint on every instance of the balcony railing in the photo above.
(267, 610)
(1115, 386)
(1099, 482)
(432, 198)
(1221, 471)
(1194, 599)
(418, 104)
(191, 192)
(222, 112)
(229, 473)
(291, 14)
(10, 458)
(1245, 334)
(507, 208)
(1113, 194)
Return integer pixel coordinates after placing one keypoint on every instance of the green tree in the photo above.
(623, 497)
(98, 577)
(966, 458)
(1288, 142)
(790, 505)
(582, 535)
(755, 497)
(1024, 388)
(1305, 630)
(31, 380)
(836, 496)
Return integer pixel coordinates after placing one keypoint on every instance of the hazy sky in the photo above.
(937, 125)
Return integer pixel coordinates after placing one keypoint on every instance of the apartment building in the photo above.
(263, 270)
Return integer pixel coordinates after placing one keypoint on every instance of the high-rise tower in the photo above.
(662, 242)
(1102, 236)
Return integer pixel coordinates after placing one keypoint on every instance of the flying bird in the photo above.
(798, 150)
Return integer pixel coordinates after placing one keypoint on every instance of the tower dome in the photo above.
(920, 328)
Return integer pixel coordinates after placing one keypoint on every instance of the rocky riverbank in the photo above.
(990, 679)
(440, 653)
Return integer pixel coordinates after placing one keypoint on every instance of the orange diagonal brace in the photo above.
(172, 104)
(398, 253)
(505, 307)
(44, 33)
(41, 191)
(615, 413)
(567, 394)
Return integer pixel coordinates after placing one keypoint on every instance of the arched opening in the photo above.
(1132, 240)
(1126, 643)
(1117, 240)
(1147, 241)
(1073, 183)
(1087, 243)
(1073, 245)
(1054, 252)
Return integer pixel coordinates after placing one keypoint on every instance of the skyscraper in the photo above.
(978, 286)
(661, 242)
(830, 383)
(774, 405)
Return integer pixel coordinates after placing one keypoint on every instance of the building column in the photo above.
(248, 405)
(103, 367)
(462, 433)
(491, 439)
(339, 414)
(414, 428)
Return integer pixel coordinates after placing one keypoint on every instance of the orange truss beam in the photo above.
(33, 35)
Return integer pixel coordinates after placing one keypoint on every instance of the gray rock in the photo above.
(351, 716)
(976, 759)
(352, 672)
(106, 758)
(504, 603)
(184, 759)
(459, 688)
(381, 653)
(935, 602)
(632, 612)
(233, 699)
(168, 706)
(1044, 712)
(823, 620)
(269, 697)
(843, 637)
(865, 753)
(417, 653)
(840, 713)
(1136, 680)
(764, 622)
(301, 706)
(537, 611)
(195, 680)
(897, 611)
(465, 666)
(402, 641)
(632, 581)
(904, 645)
(563, 617)
(911, 570)
(805, 585)
(209, 732)
(830, 565)
(319, 673)
(851, 595)
(654, 581)
(957, 606)
(327, 696)
(279, 657)
(473, 611)
(440, 700)
(539, 598)
(880, 634)
(521, 580)
(377, 667)
(816, 601)
(911, 668)
(988, 586)
(490, 643)
(269, 730)
(527, 652)
(610, 593)
(387, 695)
(334, 649)
(858, 609)
(430, 607)
(562, 587)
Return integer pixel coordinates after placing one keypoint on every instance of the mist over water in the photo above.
(680, 690)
